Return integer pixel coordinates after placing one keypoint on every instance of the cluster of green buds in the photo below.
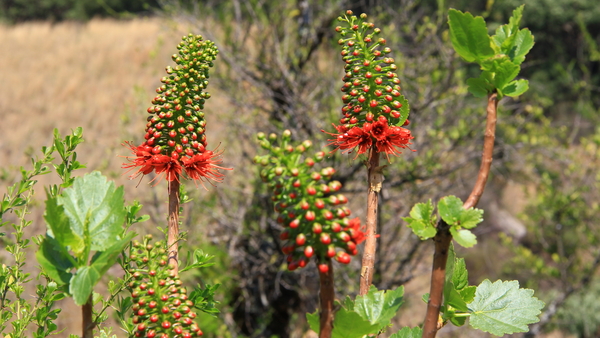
(374, 110)
(161, 307)
(175, 139)
(310, 208)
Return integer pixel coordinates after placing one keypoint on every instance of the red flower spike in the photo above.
(171, 148)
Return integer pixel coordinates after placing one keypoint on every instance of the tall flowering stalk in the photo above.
(175, 143)
(374, 115)
(314, 215)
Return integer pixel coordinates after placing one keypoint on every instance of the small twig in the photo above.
(173, 224)
(488, 150)
(443, 237)
(368, 261)
(326, 297)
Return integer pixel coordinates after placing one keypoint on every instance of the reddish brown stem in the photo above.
(87, 324)
(375, 179)
(173, 224)
(326, 297)
(486, 156)
(443, 237)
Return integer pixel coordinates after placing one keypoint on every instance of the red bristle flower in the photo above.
(394, 138)
(204, 166)
(353, 138)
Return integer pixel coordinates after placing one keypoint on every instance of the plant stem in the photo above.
(87, 323)
(375, 179)
(443, 237)
(173, 224)
(486, 156)
(326, 297)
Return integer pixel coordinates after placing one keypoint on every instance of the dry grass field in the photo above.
(100, 76)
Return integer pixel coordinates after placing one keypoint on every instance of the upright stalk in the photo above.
(173, 224)
(443, 237)
(326, 297)
(375, 179)
(87, 324)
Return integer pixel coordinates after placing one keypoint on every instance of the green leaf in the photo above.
(479, 87)
(469, 36)
(347, 324)
(503, 70)
(463, 237)
(59, 228)
(516, 88)
(94, 205)
(54, 260)
(407, 332)
(200, 260)
(523, 42)
(450, 208)
(313, 321)
(379, 307)
(502, 308)
(86, 277)
(456, 274)
(468, 293)
(422, 220)
(460, 275)
(470, 218)
(505, 34)
(404, 110)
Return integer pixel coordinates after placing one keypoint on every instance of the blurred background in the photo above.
(96, 64)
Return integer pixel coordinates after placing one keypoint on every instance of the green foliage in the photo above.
(87, 217)
(499, 56)
(407, 332)
(368, 314)
(422, 221)
(580, 314)
(503, 308)
(469, 36)
(14, 308)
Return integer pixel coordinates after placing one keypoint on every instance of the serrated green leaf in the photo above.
(86, 277)
(478, 87)
(458, 321)
(463, 237)
(313, 321)
(504, 39)
(59, 228)
(516, 88)
(469, 36)
(503, 70)
(407, 332)
(94, 206)
(379, 307)
(522, 43)
(468, 293)
(82, 284)
(347, 324)
(502, 308)
(54, 260)
(422, 220)
(450, 208)
(470, 218)
(456, 273)
(460, 275)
